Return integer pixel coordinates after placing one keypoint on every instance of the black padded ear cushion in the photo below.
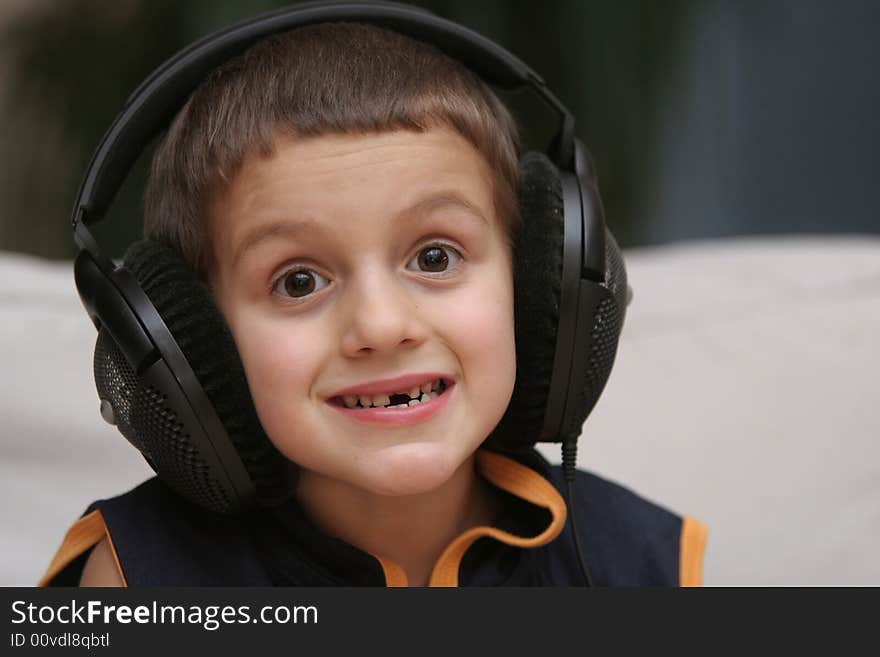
(537, 276)
(537, 295)
(187, 307)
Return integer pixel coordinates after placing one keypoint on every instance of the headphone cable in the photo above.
(569, 458)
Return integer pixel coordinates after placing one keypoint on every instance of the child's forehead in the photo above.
(333, 176)
(343, 153)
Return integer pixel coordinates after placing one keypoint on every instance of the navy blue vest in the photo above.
(162, 540)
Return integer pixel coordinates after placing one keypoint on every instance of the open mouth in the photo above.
(401, 399)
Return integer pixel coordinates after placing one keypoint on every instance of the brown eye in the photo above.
(299, 283)
(436, 258)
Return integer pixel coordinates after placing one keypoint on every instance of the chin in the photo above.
(413, 469)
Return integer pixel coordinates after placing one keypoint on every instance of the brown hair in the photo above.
(319, 79)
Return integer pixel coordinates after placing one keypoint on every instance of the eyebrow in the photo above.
(438, 201)
(288, 228)
(293, 227)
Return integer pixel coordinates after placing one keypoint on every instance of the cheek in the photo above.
(482, 332)
(279, 361)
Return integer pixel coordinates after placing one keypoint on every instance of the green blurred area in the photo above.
(68, 65)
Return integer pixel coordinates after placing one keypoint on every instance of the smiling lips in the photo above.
(412, 401)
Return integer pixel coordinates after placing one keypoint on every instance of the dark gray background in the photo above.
(706, 119)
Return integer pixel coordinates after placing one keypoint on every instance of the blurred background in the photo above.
(736, 145)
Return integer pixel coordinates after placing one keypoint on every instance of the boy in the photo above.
(350, 198)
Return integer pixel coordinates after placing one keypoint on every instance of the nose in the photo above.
(381, 314)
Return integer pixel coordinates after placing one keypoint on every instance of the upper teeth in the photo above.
(417, 394)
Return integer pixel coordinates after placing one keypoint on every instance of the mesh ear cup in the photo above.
(154, 424)
(537, 300)
(592, 367)
(187, 308)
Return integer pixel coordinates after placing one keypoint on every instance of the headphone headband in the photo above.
(152, 105)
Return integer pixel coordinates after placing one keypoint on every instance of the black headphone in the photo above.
(166, 367)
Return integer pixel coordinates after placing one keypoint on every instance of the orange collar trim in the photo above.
(509, 476)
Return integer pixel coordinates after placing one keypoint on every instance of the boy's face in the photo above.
(344, 260)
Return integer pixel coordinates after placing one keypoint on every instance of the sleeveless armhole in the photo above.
(83, 535)
(691, 548)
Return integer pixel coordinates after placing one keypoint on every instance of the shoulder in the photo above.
(606, 501)
(87, 555)
(628, 540)
(620, 510)
(101, 567)
(154, 537)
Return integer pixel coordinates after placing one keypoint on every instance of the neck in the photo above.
(411, 530)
